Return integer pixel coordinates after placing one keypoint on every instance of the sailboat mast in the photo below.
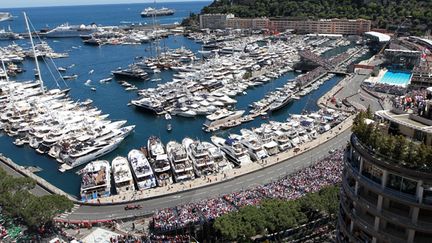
(4, 68)
(155, 31)
(34, 54)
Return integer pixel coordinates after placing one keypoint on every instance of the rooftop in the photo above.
(380, 36)
(408, 119)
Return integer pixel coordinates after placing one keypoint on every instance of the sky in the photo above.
(44, 3)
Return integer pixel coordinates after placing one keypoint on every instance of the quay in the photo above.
(44, 186)
(206, 181)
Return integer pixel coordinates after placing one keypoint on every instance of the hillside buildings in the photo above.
(322, 26)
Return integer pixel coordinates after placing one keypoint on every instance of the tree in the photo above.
(399, 148)
(274, 215)
(383, 13)
(17, 201)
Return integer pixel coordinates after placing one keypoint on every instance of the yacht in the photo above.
(283, 140)
(202, 162)
(252, 142)
(66, 30)
(142, 172)
(150, 12)
(148, 104)
(5, 16)
(222, 116)
(8, 35)
(122, 175)
(233, 149)
(131, 73)
(82, 152)
(95, 180)
(216, 153)
(281, 101)
(159, 161)
(266, 136)
(180, 163)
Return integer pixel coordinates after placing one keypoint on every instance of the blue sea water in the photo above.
(115, 14)
(111, 98)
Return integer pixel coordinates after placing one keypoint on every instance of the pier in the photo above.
(333, 66)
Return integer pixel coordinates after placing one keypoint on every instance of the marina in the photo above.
(172, 167)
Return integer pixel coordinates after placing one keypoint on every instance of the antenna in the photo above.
(34, 54)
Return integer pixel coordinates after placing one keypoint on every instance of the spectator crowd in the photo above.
(325, 172)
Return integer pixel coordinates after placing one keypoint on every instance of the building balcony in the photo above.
(388, 163)
(344, 229)
(390, 215)
(377, 188)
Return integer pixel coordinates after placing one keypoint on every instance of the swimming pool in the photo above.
(396, 78)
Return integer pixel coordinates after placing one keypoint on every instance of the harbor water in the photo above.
(111, 97)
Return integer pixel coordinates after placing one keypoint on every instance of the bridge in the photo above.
(333, 65)
(309, 55)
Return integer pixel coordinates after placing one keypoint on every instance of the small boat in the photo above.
(167, 116)
(131, 88)
(87, 82)
(91, 72)
(106, 80)
(70, 77)
(61, 69)
(93, 89)
(169, 127)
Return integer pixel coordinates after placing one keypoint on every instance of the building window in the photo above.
(402, 184)
(355, 160)
(372, 172)
(419, 136)
(427, 194)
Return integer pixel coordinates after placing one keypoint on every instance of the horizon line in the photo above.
(90, 4)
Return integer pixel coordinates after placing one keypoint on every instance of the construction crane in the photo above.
(394, 35)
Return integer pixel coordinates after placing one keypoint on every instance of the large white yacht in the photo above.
(216, 153)
(122, 175)
(267, 139)
(4, 16)
(149, 104)
(66, 30)
(222, 116)
(202, 162)
(159, 161)
(142, 171)
(149, 12)
(233, 149)
(83, 151)
(95, 180)
(180, 163)
(252, 142)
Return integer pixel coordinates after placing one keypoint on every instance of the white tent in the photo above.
(99, 236)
